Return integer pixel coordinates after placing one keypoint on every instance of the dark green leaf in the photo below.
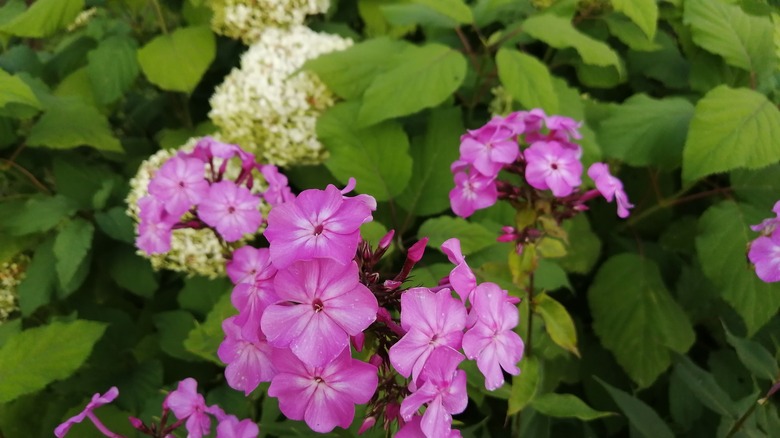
(642, 12)
(38, 285)
(43, 18)
(112, 67)
(584, 246)
(71, 247)
(526, 385)
(204, 339)
(629, 33)
(116, 224)
(178, 60)
(135, 389)
(172, 328)
(703, 385)
(642, 417)
(70, 123)
(199, 294)
(36, 215)
(133, 273)
(550, 276)
(754, 356)
(566, 406)
(473, 237)
(758, 187)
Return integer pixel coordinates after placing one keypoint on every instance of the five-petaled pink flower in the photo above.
(96, 402)
(461, 278)
(179, 184)
(186, 402)
(610, 187)
(473, 191)
(248, 359)
(552, 166)
(233, 210)
(764, 253)
(489, 148)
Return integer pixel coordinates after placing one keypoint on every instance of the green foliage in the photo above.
(527, 80)
(473, 237)
(643, 418)
(566, 406)
(177, 61)
(68, 123)
(43, 18)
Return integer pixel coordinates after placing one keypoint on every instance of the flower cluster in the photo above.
(12, 272)
(187, 405)
(245, 19)
(270, 107)
(191, 204)
(313, 295)
(548, 163)
(764, 251)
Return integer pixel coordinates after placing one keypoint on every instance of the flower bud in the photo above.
(385, 242)
(375, 360)
(368, 423)
(358, 341)
(417, 250)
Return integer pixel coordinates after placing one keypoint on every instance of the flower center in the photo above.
(554, 166)
(317, 306)
(318, 229)
(231, 209)
(318, 379)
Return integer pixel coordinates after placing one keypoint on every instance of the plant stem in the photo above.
(529, 334)
(158, 11)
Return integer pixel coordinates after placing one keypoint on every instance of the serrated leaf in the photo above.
(178, 60)
(731, 128)
(742, 40)
(43, 18)
(15, 90)
(557, 322)
(754, 356)
(36, 357)
(721, 244)
(584, 246)
(71, 247)
(436, 13)
(647, 132)
(703, 385)
(133, 273)
(70, 123)
(40, 280)
(173, 328)
(422, 77)
(457, 10)
(525, 385)
(636, 318)
(116, 224)
(758, 187)
(629, 33)
(200, 294)
(558, 32)
(642, 417)
(527, 80)
(112, 67)
(428, 190)
(642, 12)
(550, 276)
(204, 339)
(144, 382)
(88, 185)
(377, 156)
(36, 215)
(566, 406)
(473, 237)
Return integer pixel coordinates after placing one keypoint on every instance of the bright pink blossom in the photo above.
(765, 255)
(248, 359)
(251, 300)
(321, 304)
(96, 402)
(179, 184)
(610, 187)
(472, 192)
(489, 148)
(278, 191)
(553, 166)
(231, 209)
(323, 396)
(186, 402)
(413, 429)
(768, 226)
(461, 278)
(563, 128)
(249, 264)
(230, 427)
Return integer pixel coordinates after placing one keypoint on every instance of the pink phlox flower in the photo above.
(155, 226)
(563, 128)
(231, 209)
(610, 187)
(461, 278)
(443, 389)
(248, 359)
(413, 429)
(515, 122)
(186, 402)
(768, 226)
(321, 304)
(554, 167)
(460, 165)
(179, 184)
(251, 300)
(489, 148)
(472, 192)
(318, 223)
(532, 120)
(231, 427)
(96, 402)
(492, 340)
(431, 320)
(208, 148)
(367, 201)
(249, 264)
(323, 396)
(764, 253)
(278, 191)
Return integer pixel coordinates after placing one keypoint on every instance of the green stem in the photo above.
(529, 334)
(158, 11)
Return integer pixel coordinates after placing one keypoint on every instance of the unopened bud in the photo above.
(417, 250)
(385, 242)
(368, 423)
(375, 360)
(136, 422)
(358, 341)
(392, 284)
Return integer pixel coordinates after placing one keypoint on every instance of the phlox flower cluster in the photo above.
(268, 105)
(12, 272)
(313, 295)
(192, 204)
(186, 404)
(245, 19)
(764, 251)
(542, 150)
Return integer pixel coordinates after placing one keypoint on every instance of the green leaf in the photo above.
(38, 286)
(724, 232)
(16, 91)
(36, 357)
(70, 123)
(86, 184)
(428, 190)
(558, 32)
(641, 417)
(436, 13)
(473, 237)
(422, 77)
(348, 73)
(743, 40)
(647, 132)
(703, 385)
(642, 12)
(133, 273)
(584, 246)
(629, 33)
(636, 318)
(112, 67)
(550, 276)
(178, 60)
(200, 294)
(116, 224)
(526, 385)
(71, 248)
(754, 356)
(527, 79)
(36, 215)
(43, 18)
(457, 10)
(731, 128)
(665, 63)
(173, 328)
(557, 322)
(204, 339)
(566, 406)
(137, 388)
(377, 156)
(757, 187)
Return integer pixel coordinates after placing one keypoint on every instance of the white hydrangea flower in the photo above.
(245, 19)
(12, 273)
(194, 252)
(268, 106)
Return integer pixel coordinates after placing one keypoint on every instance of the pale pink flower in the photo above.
(489, 148)
(249, 264)
(553, 166)
(231, 209)
(764, 253)
(248, 358)
(472, 192)
(179, 184)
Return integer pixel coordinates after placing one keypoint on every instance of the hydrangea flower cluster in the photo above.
(192, 204)
(314, 294)
(187, 405)
(12, 272)
(548, 163)
(245, 19)
(764, 251)
(267, 105)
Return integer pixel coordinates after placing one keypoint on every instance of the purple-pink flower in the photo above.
(96, 402)
(461, 278)
(552, 166)
(186, 402)
(179, 184)
(248, 358)
(610, 187)
(231, 209)
(231, 427)
(321, 304)
(472, 192)
(248, 265)
(489, 148)
(492, 340)
(768, 226)
(323, 396)
(764, 253)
